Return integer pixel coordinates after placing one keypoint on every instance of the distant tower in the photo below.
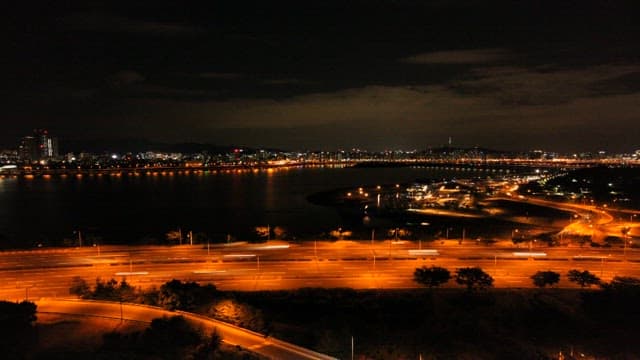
(449, 141)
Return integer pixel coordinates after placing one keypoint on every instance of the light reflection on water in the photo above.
(127, 206)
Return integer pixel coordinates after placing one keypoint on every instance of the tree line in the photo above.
(474, 278)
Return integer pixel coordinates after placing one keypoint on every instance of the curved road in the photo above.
(258, 343)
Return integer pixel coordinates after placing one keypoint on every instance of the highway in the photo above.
(270, 347)
(276, 265)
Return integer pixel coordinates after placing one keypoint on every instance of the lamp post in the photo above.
(352, 348)
(374, 265)
(625, 232)
(79, 237)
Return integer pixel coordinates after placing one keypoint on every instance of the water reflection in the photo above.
(130, 205)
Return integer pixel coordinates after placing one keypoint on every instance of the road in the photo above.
(233, 335)
(357, 264)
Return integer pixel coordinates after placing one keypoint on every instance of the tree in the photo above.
(79, 287)
(106, 290)
(544, 278)
(17, 330)
(431, 276)
(399, 233)
(209, 347)
(625, 283)
(279, 232)
(583, 278)
(201, 238)
(340, 234)
(170, 333)
(175, 294)
(474, 278)
(174, 236)
(263, 231)
(240, 314)
(165, 338)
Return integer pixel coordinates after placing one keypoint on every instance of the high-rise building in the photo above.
(47, 144)
(40, 146)
(29, 149)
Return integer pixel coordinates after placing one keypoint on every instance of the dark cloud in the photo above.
(473, 56)
(224, 76)
(284, 81)
(106, 22)
(541, 85)
(328, 74)
(124, 78)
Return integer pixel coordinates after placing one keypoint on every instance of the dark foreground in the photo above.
(446, 323)
(395, 324)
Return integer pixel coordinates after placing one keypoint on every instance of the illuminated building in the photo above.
(48, 146)
(40, 146)
(28, 149)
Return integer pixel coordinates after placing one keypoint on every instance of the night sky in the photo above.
(325, 75)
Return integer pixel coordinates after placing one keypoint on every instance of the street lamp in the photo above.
(97, 245)
(79, 237)
(625, 232)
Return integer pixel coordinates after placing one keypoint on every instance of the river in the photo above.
(127, 208)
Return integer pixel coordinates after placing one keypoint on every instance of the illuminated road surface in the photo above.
(360, 265)
(258, 343)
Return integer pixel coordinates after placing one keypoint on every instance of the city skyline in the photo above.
(381, 75)
(41, 145)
